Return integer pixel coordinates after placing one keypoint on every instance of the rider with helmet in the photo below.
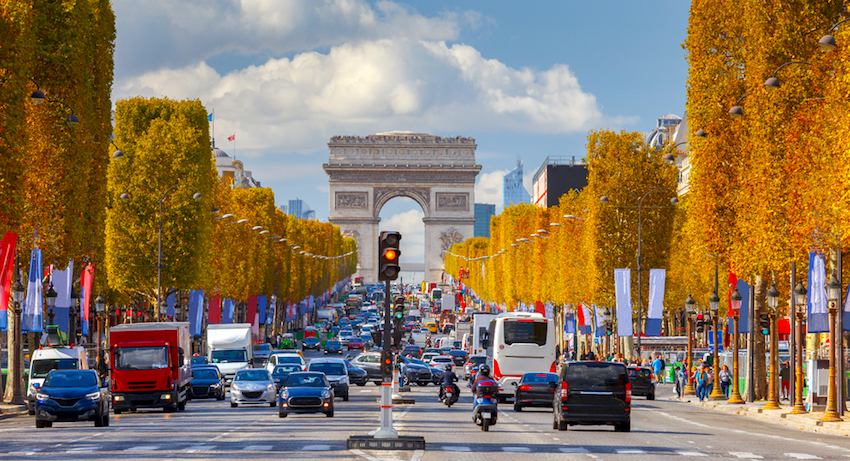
(449, 379)
(483, 375)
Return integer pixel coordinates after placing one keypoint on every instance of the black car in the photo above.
(333, 347)
(306, 392)
(356, 375)
(370, 362)
(281, 372)
(207, 382)
(71, 395)
(458, 357)
(471, 364)
(534, 390)
(593, 393)
(643, 382)
(311, 343)
(417, 371)
(412, 350)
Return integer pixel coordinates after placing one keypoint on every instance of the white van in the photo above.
(419, 336)
(53, 358)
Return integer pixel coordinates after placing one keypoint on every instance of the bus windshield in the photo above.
(525, 332)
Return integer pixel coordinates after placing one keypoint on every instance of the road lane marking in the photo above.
(143, 448)
(196, 448)
(365, 391)
(83, 449)
(802, 456)
(456, 448)
(257, 448)
(745, 455)
(630, 452)
(316, 448)
(690, 453)
(572, 450)
(516, 449)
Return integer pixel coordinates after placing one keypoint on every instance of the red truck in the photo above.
(150, 366)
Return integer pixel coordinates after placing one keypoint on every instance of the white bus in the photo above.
(519, 343)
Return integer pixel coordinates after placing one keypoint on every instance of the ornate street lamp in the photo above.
(773, 304)
(800, 294)
(833, 293)
(714, 303)
(17, 371)
(72, 316)
(51, 303)
(735, 397)
(689, 312)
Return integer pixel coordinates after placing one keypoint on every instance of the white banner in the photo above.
(623, 293)
(655, 309)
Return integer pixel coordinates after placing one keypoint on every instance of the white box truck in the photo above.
(480, 324)
(229, 347)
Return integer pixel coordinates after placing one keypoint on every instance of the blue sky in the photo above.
(286, 75)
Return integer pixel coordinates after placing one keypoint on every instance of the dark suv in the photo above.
(643, 382)
(593, 393)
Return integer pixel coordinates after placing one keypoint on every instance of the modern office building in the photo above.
(300, 209)
(555, 177)
(483, 212)
(513, 191)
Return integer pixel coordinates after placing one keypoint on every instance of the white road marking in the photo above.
(363, 455)
(573, 450)
(690, 453)
(316, 448)
(84, 449)
(631, 452)
(516, 449)
(257, 448)
(745, 455)
(456, 448)
(802, 456)
(417, 455)
(143, 448)
(365, 391)
(196, 448)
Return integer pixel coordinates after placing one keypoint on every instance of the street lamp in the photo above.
(800, 294)
(17, 371)
(673, 201)
(689, 311)
(827, 42)
(773, 304)
(833, 293)
(714, 303)
(51, 303)
(99, 305)
(735, 398)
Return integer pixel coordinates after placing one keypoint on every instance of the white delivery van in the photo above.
(229, 347)
(419, 336)
(53, 358)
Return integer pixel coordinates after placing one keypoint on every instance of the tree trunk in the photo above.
(12, 357)
(759, 368)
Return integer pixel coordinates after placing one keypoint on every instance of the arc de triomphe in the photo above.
(365, 172)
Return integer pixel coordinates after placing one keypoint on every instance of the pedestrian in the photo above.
(681, 377)
(785, 380)
(657, 366)
(702, 383)
(558, 351)
(725, 380)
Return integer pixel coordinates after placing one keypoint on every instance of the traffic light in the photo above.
(700, 323)
(609, 327)
(388, 253)
(398, 309)
(387, 364)
(764, 323)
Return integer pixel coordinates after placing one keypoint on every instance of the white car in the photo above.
(344, 337)
(426, 357)
(441, 361)
(253, 386)
(281, 358)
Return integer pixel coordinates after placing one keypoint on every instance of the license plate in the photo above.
(485, 414)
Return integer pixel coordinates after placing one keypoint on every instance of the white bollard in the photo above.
(386, 430)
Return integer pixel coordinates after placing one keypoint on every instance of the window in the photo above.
(141, 358)
(306, 380)
(204, 374)
(253, 375)
(368, 359)
(599, 375)
(225, 356)
(524, 332)
(40, 368)
(331, 369)
(71, 379)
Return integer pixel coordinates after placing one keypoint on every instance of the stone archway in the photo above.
(364, 173)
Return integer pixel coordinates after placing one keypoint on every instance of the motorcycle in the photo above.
(450, 396)
(484, 410)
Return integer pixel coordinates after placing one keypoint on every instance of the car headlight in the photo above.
(284, 394)
(41, 396)
(326, 394)
(215, 385)
(93, 396)
(270, 387)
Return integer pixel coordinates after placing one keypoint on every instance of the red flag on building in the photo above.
(232, 138)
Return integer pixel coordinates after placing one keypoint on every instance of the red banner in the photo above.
(215, 310)
(252, 309)
(7, 266)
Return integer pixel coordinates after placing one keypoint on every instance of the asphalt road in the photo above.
(212, 430)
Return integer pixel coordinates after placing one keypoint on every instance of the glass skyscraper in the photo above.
(513, 192)
(483, 212)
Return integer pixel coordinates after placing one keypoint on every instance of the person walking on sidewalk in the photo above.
(725, 380)
(681, 377)
(785, 381)
(702, 383)
(657, 367)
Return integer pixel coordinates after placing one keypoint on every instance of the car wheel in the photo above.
(361, 384)
(233, 405)
(181, 406)
(98, 422)
(106, 419)
(117, 412)
(345, 398)
(517, 407)
(31, 411)
(272, 404)
(281, 415)
(48, 424)
(377, 383)
(330, 414)
(650, 397)
(39, 423)
(623, 427)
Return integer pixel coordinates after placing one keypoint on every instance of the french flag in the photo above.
(583, 319)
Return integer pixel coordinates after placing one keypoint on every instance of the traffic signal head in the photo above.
(386, 364)
(700, 323)
(388, 254)
(764, 323)
(398, 308)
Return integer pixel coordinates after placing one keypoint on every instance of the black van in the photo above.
(593, 393)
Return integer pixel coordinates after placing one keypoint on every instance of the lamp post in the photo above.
(126, 196)
(735, 398)
(673, 201)
(72, 316)
(714, 302)
(18, 348)
(800, 294)
(51, 304)
(689, 311)
(773, 303)
(99, 305)
(833, 292)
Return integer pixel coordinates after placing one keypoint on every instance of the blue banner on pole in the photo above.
(33, 313)
(196, 312)
(227, 308)
(261, 309)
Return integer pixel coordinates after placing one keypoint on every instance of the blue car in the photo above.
(207, 382)
(333, 347)
(71, 395)
(306, 392)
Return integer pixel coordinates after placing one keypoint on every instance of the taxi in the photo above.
(431, 325)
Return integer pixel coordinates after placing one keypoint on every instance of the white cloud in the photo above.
(412, 229)
(488, 188)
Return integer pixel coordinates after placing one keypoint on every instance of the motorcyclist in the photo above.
(449, 379)
(483, 375)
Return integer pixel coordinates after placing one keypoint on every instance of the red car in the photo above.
(355, 343)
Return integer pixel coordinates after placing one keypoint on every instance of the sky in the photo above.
(527, 80)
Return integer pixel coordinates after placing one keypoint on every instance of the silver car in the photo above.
(254, 385)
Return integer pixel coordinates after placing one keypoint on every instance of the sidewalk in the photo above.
(809, 422)
(11, 411)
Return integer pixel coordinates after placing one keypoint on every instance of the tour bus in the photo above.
(519, 343)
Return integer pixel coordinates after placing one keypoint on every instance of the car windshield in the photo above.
(306, 380)
(141, 358)
(332, 344)
(71, 379)
(330, 369)
(253, 375)
(639, 373)
(525, 332)
(311, 340)
(265, 347)
(458, 353)
(539, 378)
(227, 356)
(288, 359)
(40, 368)
(477, 360)
(283, 370)
(204, 374)
(596, 375)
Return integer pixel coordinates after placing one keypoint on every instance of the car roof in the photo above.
(327, 360)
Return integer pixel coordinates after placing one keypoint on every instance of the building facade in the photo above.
(483, 213)
(229, 167)
(555, 177)
(513, 191)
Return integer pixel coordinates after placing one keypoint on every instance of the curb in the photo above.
(11, 413)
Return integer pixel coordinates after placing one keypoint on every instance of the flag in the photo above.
(623, 296)
(656, 302)
(62, 281)
(744, 311)
(818, 318)
(209, 117)
(583, 315)
(600, 321)
(252, 309)
(7, 266)
(86, 284)
(214, 315)
(540, 308)
(261, 307)
(33, 312)
(845, 319)
(227, 310)
(196, 312)
(232, 138)
(569, 323)
(170, 301)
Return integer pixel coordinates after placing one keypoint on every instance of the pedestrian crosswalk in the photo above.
(592, 451)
